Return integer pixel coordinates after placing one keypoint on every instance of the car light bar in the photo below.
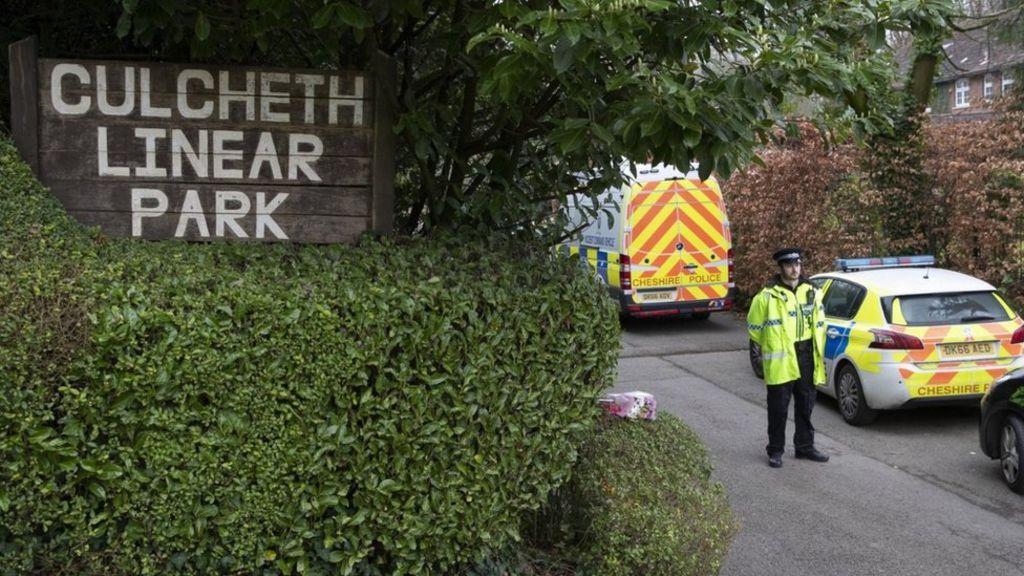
(852, 264)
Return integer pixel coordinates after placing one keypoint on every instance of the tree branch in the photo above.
(462, 130)
(511, 137)
(570, 233)
(410, 32)
(951, 63)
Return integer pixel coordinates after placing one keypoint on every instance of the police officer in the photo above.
(786, 320)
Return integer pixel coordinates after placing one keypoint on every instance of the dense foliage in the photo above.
(64, 28)
(966, 203)
(503, 105)
(385, 409)
(640, 502)
(979, 177)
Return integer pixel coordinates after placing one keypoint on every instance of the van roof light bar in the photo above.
(854, 264)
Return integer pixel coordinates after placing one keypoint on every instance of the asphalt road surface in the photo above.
(910, 494)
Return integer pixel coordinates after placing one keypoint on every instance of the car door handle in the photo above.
(690, 266)
(832, 333)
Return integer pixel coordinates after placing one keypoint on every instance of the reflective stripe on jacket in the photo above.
(778, 319)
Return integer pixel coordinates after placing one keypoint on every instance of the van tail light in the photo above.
(732, 282)
(625, 273)
(889, 340)
(1018, 335)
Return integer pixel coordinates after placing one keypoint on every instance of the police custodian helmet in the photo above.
(787, 255)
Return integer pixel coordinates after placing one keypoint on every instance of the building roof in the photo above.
(969, 54)
(977, 52)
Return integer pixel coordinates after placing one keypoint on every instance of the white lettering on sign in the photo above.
(310, 82)
(222, 154)
(301, 160)
(264, 96)
(193, 129)
(151, 135)
(57, 89)
(140, 210)
(266, 153)
(246, 95)
(192, 210)
(339, 100)
(303, 152)
(229, 206)
(269, 97)
(145, 108)
(103, 161)
(196, 159)
(102, 98)
(263, 212)
(228, 215)
(187, 111)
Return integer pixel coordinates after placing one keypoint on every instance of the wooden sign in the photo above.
(182, 151)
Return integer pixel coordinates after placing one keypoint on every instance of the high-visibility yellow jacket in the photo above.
(778, 318)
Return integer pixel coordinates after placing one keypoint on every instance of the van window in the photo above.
(948, 308)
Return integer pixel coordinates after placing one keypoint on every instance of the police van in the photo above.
(660, 242)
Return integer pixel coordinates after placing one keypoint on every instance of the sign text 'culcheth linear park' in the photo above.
(157, 151)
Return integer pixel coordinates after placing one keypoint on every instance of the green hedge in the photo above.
(227, 408)
(640, 502)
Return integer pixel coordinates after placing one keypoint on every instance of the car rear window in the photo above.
(947, 308)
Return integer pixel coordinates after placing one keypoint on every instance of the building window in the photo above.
(990, 86)
(1007, 81)
(963, 93)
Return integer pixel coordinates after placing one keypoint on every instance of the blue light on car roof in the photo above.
(852, 264)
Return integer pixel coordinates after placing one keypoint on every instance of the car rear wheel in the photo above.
(1011, 448)
(755, 360)
(850, 394)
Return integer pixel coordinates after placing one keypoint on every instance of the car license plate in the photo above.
(967, 350)
(658, 296)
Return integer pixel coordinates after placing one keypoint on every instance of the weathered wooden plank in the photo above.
(386, 78)
(308, 229)
(120, 137)
(24, 100)
(117, 197)
(163, 76)
(332, 170)
(297, 111)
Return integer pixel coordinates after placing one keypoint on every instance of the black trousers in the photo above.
(803, 393)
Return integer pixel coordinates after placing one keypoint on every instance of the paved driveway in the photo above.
(908, 495)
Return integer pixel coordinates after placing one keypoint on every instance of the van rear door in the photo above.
(653, 242)
(704, 233)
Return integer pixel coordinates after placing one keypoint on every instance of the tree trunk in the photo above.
(921, 77)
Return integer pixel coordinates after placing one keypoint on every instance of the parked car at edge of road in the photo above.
(901, 333)
(1001, 427)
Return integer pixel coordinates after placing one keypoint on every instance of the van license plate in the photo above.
(659, 296)
(968, 350)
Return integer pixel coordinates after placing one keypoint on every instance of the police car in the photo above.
(900, 333)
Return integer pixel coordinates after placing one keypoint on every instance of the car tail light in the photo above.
(625, 273)
(732, 282)
(1018, 335)
(889, 340)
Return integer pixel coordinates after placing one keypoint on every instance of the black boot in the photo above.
(812, 454)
